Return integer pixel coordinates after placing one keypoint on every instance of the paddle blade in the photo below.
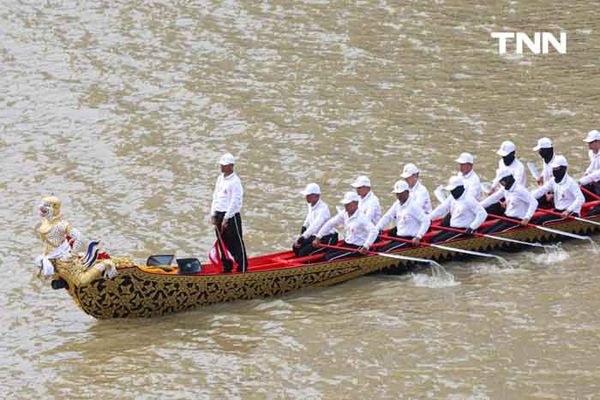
(486, 186)
(533, 170)
(439, 194)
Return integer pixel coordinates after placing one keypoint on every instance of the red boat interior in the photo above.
(287, 259)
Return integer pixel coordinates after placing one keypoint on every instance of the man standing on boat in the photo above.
(520, 204)
(465, 211)
(225, 216)
(368, 203)
(418, 192)
(568, 197)
(318, 214)
(360, 233)
(470, 178)
(411, 221)
(591, 177)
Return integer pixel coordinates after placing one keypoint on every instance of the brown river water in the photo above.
(122, 109)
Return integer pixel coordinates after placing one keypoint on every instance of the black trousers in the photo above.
(495, 209)
(306, 248)
(445, 235)
(544, 203)
(593, 187)
(501, 226)
(331, 254)
(549, 217)
(232, 238)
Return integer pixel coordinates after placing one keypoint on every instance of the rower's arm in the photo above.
(423, 218)
(542, 190)
(426, 201)
(305, 224)
(388, 217)
(329, 225)
(492, 199)
(441, 210)
(318, 222)
(578, 195)
(480, 215)
(373, 232)
(531, 202)
(589, 177)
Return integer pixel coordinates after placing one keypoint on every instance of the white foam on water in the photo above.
(439, 278)
(551, 255)
(505, 264)
(594, 246)
(504, 267)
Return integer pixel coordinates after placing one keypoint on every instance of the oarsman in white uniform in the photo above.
(418, 192)
(318, 214)
(508, 161)
(411, 221)
(591, 177)
(360, 233)
(470, 178)
(545, 149)
(465, 212)
(520, 204)
(568, 197)
(225, 215)
(368, 203)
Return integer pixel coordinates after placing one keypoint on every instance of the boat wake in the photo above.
(504, 268)
(553, 255)
(439, 278)
(594, 246)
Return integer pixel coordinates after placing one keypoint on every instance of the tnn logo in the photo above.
(539, 44)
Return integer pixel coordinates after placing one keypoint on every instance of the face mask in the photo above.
(509, 181)
(457, 191)
(509, 159)
(559, 173)
(546, 154)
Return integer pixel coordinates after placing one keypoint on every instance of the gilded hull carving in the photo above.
(135, 293)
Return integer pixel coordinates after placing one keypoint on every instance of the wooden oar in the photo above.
(589, 193)
(550, 212)
(534, 171)
(499, 238)
(439, 246)
(374, 253)
(543, 228)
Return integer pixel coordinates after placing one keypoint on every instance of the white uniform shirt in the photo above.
(359, 230)
(518, 172)
(228, 195)
(370, 207)
(472, 184)
(420, 195)
(410, 219)
(547, 170)
(519, 202)
(592, 173)
(465, 211)
(567, 194)
(315, 219)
